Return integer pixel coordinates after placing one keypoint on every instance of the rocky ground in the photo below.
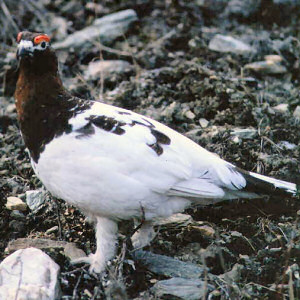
(224, 73)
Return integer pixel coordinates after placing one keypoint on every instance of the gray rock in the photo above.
(105, 29)
(271, 65)
(286, 145)
(203, 122)
(14, 185)
(296, 113)
(242, 8)
(188, 289)
(287, 2)
(190, 115)
(96, 69)
(205, 230)
(234, 275)
(215, 5)
(116, 290)
(52, 230)
(167, 266)
(11, 108)
(175, 220)
(60, 27)
(223, 43)
(14, 203)
(34, 199)
(281, 108)
(70, 249)
(16, 214)
(29, 274)
(244, 133)
(16, 225)
(266, 67)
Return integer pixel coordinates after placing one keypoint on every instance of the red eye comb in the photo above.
(19, 36)
(41, 38)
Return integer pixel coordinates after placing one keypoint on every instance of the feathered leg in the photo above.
(106, 237)
(143, 236)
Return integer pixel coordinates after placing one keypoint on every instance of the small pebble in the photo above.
(206, 230)
(16, 214)
(34, 199)
(190, 115)
(287, 145)
(244, 133)
(203, 122)
(281, 108)
(266, 67)
(16, 225)
(176, 219)
(14, 203)
(236, 139)
(222, 43)
(11, 108)
(104, 68)
(296, 113)
(88, 293)
(182, 288)
(52, 230)
(273, 58)
(236, 234)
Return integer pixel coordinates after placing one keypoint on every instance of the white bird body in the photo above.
(113, 163)
(117, 175)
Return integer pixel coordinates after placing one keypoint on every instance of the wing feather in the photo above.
(182, 169)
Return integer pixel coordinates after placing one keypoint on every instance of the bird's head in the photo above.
(31, 44)
(35, 53)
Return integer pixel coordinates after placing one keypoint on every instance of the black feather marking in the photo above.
(124, 113)
(148, 122)
(157, 148)
(206, 172)
(234, 185)
(86, 130)
(114, 126)
(259, 186)
(134, 122)
(107, 123)
(161, 138)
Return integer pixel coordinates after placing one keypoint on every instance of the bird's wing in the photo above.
(164, 160)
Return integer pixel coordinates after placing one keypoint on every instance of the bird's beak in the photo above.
(21, 52)
(25, 49)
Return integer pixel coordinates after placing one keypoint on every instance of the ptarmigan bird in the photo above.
(112, 163)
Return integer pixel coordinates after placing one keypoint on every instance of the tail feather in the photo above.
(261, 184)
(237, 183)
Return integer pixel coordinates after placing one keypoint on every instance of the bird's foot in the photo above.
(106, 235)
(96, 264)
(143, 236)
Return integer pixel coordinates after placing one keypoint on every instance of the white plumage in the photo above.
(112, 177)
(117, 174)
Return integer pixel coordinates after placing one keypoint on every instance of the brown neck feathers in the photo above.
(38, 81)
(44, 107)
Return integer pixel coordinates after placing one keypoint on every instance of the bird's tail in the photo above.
(232, 183)
(261, 184)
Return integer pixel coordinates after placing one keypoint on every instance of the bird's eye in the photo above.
(43, 44)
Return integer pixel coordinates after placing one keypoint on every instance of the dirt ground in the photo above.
(175, 77)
